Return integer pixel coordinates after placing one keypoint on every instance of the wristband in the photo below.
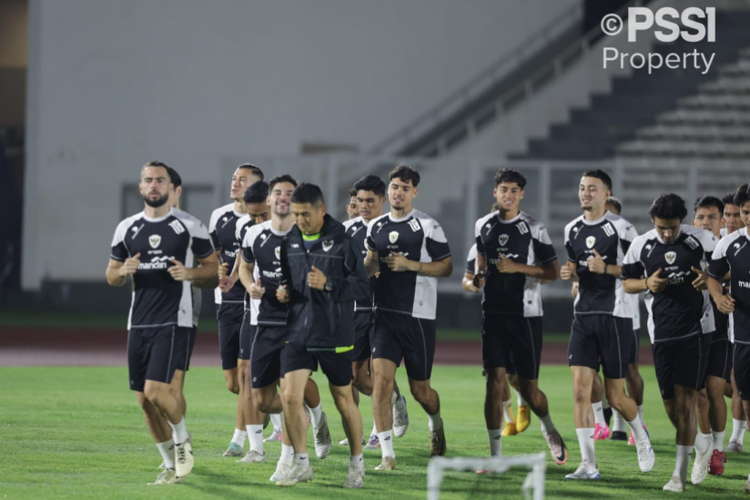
(646, 283)
(605, 267)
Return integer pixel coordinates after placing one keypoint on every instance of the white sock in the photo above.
(255, 436)
(586, 443)
(167, 453)
(640, 414)
(239, 437)
(521, 401)
(287, 454)
(356, 461)
(718, 440)
(547, 425)
(637, 427)
(738, 430)
(386, 443)
(599, 414)
(507, 408)
(316, 414)
(702, 442)
(618, 422)
(741, 437)
(301, 459)
(374, 429)
(681, 464)
(179, 432)
(276, 420)
(496, 442)
(435, 423)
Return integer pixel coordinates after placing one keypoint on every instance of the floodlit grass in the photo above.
(77, 433)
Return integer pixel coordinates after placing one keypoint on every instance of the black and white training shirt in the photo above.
(471, 260)
(523, 239)
(159, 300)
(675, 312)
(357, 229)
(222, 228)
(610, 236)
(262, 246)
(242, 225)
(419, 237)
(732, 254)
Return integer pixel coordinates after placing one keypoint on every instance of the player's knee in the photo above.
(421, 392)
(155, 393)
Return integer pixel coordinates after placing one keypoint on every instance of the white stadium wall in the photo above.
(114, 84)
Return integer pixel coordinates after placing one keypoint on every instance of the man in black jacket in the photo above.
(323, 275)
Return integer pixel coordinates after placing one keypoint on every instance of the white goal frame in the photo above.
(533, 485)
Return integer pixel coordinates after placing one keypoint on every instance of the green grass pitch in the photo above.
(78, 433)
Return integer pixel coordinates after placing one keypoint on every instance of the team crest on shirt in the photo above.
(393, 236)
(327, 245)
(670, 257)
(590, 241)
(503, 239)
(277, 252)
(154, 240)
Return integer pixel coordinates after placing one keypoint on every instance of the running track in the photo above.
(20, 346)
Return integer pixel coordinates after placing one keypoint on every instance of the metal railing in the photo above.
(441, 113)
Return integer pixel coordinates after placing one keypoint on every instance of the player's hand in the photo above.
(257, 290)
(226, 282)
(596, 263)
(178, 271)
(282, 294)
(568, 272)
(478, 281)
(701, 282)
(224, 270)
(505, 265)
(316, 279)
(397, 262)
(725, 304)
(573, 289)
(656, 284)
(130, 266)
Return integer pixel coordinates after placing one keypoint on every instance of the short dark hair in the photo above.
(352, 192)
(601, 175)
(668, 206)
(615, 203)
(255, 170)
(370, 183)
(174, 177)
(708, 202)
(728, 199)
(308, 193)
(495, 207)
(256, 193)
(511, 176)
(742, 195)
(170, 171)
(279, 179)
(405, 174)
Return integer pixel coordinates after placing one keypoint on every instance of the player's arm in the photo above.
(474, 279)
(206, 275)
(547, 271)
(398, 263)
(245, 273)
(118, 272)
(372, 263)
